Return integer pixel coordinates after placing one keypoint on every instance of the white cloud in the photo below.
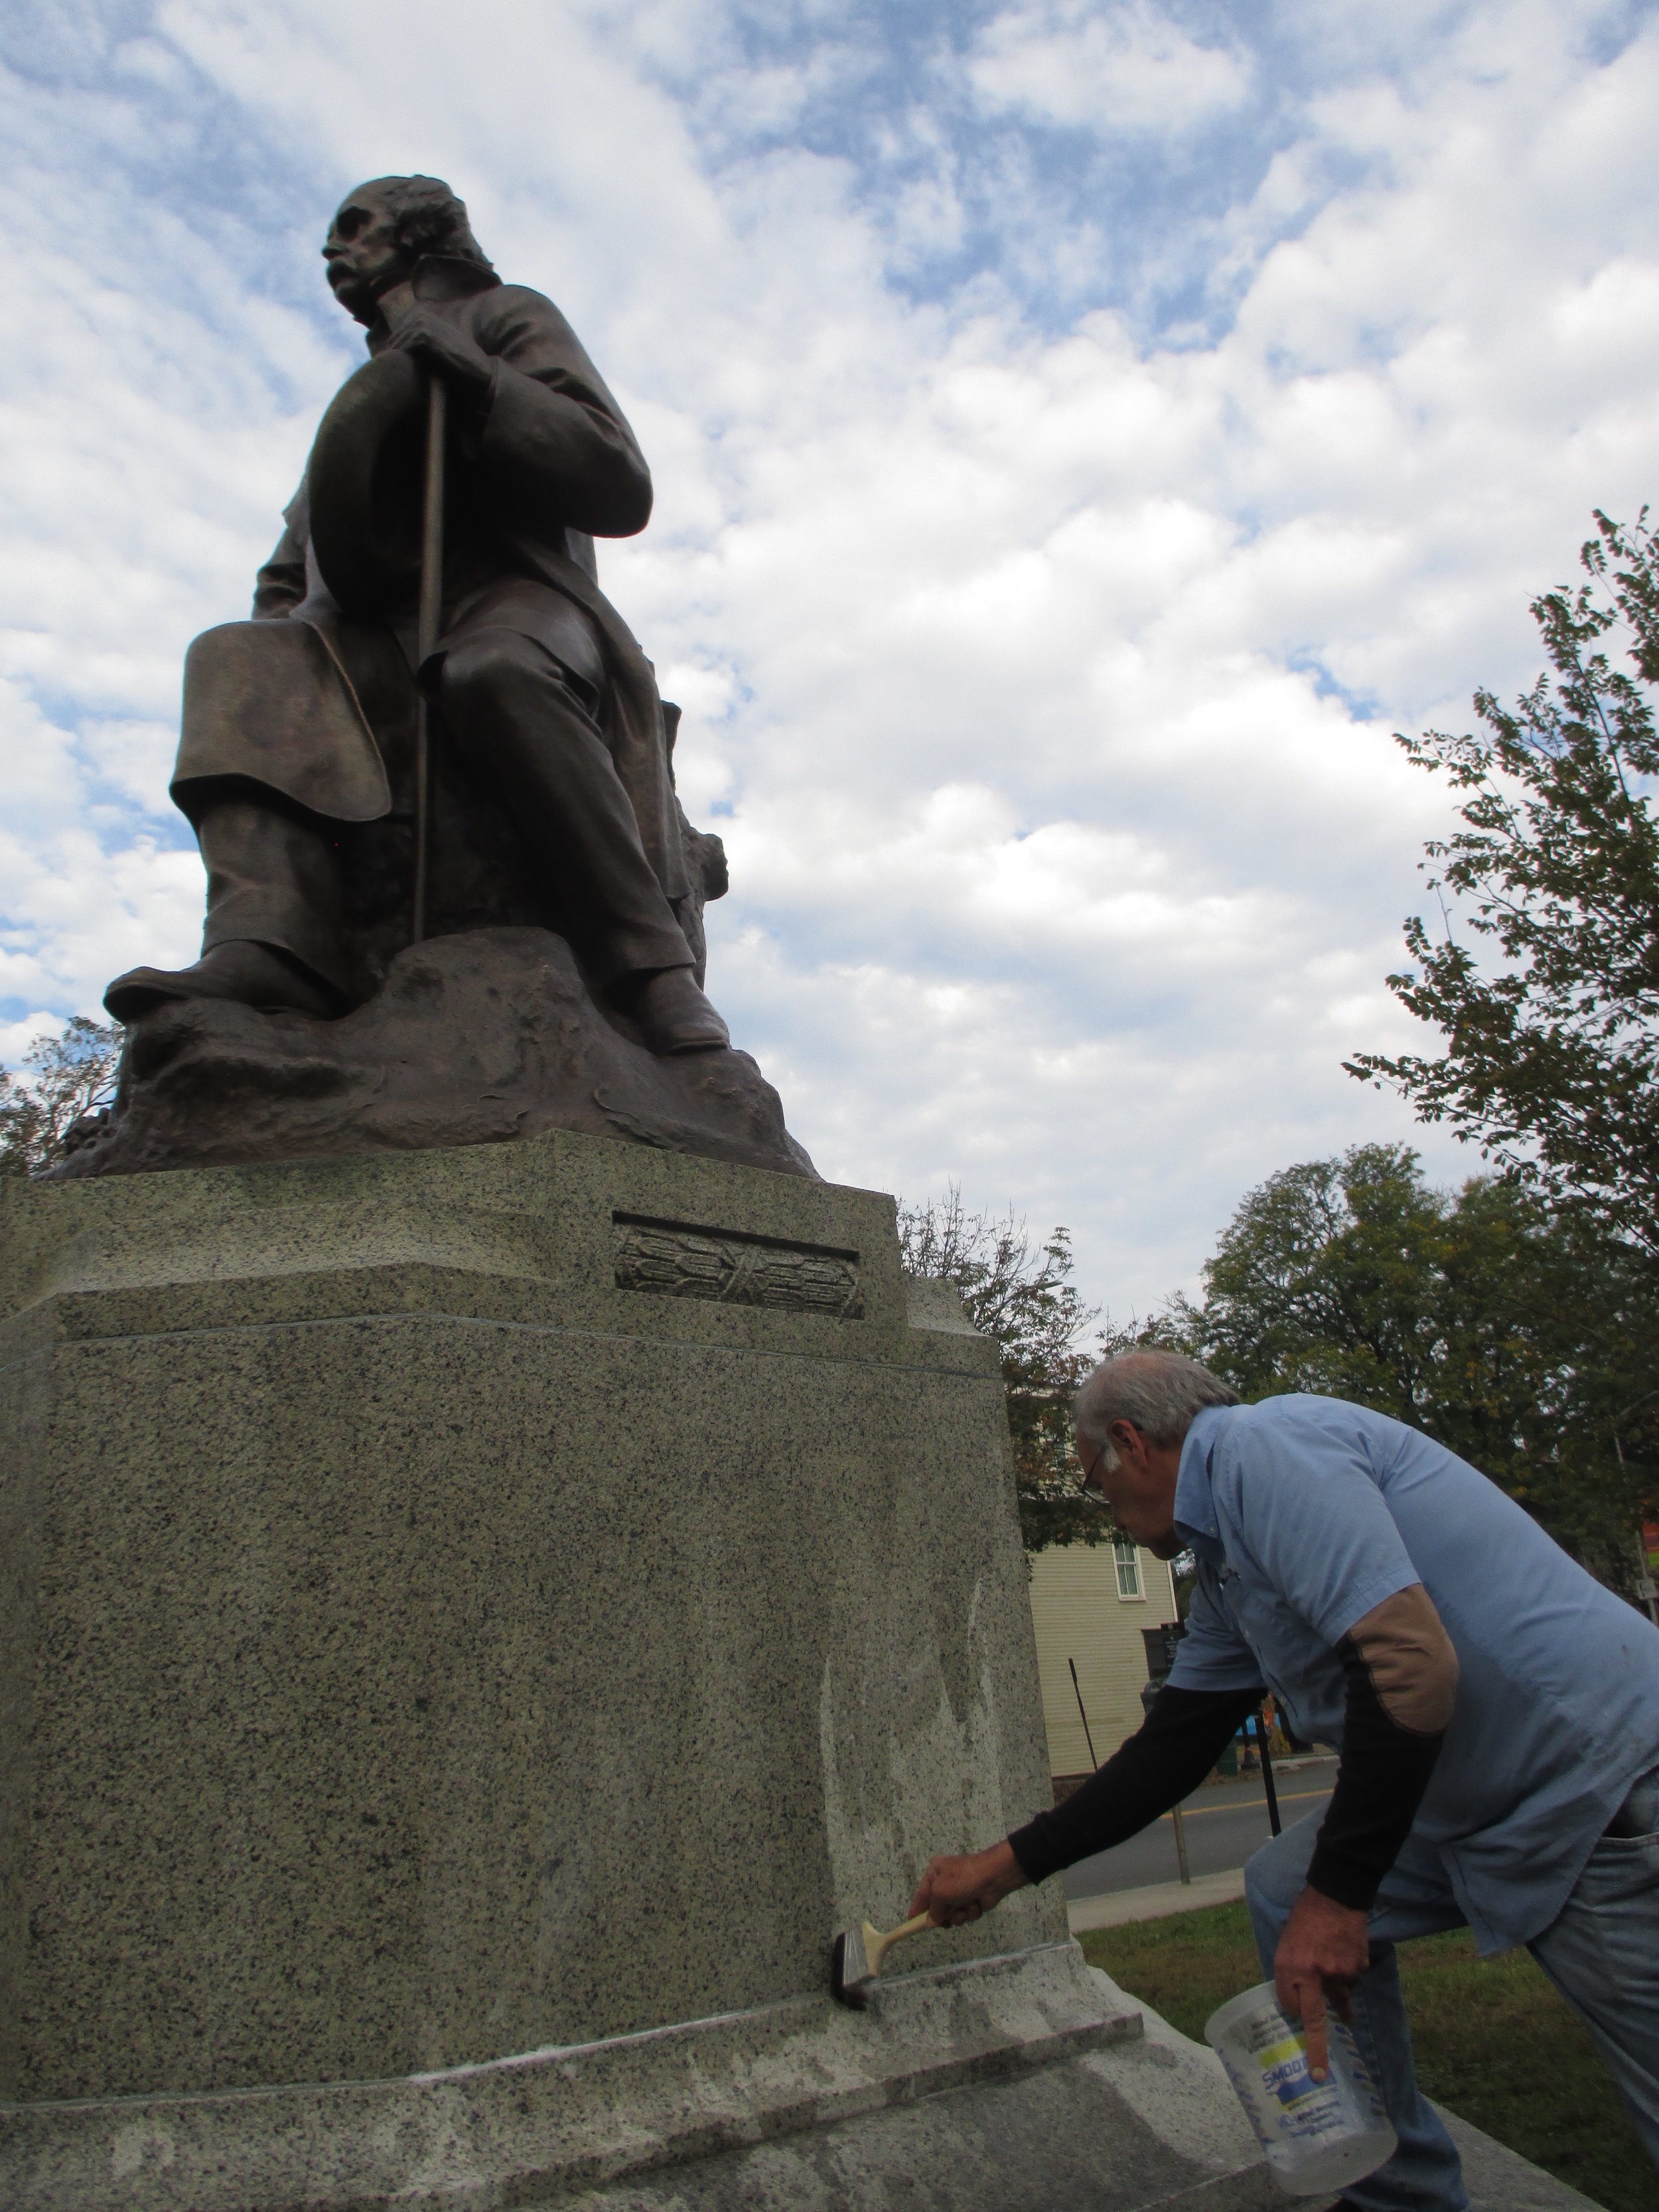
(1122, 67)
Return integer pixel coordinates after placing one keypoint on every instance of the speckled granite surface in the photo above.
(650, 2112)
(438, 1651)
(436, 1632)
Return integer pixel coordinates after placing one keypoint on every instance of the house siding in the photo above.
(1078, 1614)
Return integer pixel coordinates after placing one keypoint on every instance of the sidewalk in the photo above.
(1156, 1903)
(1291, 1766)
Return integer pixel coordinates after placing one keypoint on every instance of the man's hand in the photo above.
(1322, 1955)
(441, 348)
(953, 1892)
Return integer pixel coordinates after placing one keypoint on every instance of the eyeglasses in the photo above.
(1089, 1467)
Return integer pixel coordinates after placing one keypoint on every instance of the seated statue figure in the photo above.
(554, 803)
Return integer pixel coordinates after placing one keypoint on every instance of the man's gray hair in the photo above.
(1157, 1392)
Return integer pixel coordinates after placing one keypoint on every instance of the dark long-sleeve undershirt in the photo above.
(1181, 1739)
(1380, 1782)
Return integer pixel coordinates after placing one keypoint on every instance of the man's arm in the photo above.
(1167, 1757)
(1181, 1738)
(554, 435)
(535, 414)
(1402, 1684)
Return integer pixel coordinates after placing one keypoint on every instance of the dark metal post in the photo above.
(432, 600)
(1268, 1769)
(1087, 1738)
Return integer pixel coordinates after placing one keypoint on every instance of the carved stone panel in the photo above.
(679, 1261)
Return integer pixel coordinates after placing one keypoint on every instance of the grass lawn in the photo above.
(1493, 2040)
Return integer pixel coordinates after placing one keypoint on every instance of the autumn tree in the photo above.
(1022, 1295)
(1545, 984)
(62, 1079)
(1523, 1337)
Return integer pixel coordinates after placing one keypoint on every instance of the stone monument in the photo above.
(501, 1563)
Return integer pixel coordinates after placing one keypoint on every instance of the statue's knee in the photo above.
(499, 670)
(481, 669)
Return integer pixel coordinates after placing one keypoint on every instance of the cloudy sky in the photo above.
(1083, 431)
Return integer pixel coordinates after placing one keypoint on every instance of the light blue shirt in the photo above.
(1302, 1514)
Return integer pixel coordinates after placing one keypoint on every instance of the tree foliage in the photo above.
(1550, 1004)
(1024, 1298)
(64, 1078)
(1522, 1337)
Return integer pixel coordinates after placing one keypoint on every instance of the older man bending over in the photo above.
(1497, 1712)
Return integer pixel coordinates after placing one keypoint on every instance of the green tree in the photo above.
(1023, 1299)
(65, 1078)
(1549, 998)
(1521, 1336)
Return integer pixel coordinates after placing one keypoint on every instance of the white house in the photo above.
(1090, 1603)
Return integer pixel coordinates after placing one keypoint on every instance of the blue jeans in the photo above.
(1602, 1953)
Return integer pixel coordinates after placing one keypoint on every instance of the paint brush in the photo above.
(858, 1956)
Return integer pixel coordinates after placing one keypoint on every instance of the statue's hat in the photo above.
(366, 480)
(367, 469)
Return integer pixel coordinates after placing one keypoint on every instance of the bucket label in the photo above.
(1308, 2110)
(1284, 2071)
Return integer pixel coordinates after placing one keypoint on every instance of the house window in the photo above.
(1128, 1570)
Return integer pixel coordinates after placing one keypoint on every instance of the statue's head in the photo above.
(381, 230)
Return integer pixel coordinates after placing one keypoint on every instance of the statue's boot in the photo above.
(271, 939)
(671, 1013)
(250, 973)
(522, 723)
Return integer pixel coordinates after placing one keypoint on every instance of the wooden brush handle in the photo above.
(876, 1946)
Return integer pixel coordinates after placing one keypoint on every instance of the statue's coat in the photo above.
(546, 463)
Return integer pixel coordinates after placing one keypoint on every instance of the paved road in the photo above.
(1225, 1821)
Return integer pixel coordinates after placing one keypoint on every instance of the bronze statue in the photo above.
(297, 763)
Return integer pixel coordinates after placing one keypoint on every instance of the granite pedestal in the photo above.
(476, 1624)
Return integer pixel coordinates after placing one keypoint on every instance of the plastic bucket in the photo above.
(1318, 2135)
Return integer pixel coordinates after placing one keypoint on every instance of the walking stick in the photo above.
(432, 600)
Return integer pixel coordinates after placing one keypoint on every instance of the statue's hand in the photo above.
(447, 352)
